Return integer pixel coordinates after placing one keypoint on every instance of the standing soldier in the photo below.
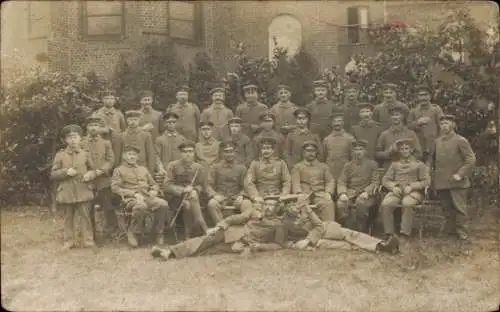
(424, 120)
(217, 113)
(186, 180)
(381, 112)
(367, 129)
(140, 139)
(167, 144)
(189, 114)
(337, 146)
(284, 110)
(113, 118)
(101, 154)
(313, 176)
(226, 184)
(251, 110)
(350, 106)
(151, 118)
(387, 151)
(207, 149)
(245, 151)
(320, 109)
(268, 175)
(357, 187)
(295, 140)
(453, 161)
(267, 121)
(406, 181)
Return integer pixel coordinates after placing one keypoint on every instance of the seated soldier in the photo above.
(257, 231)
(405, 180)
(137, 188)
(268, 175)
(186, 179)
(311, 175)
(207, 149)
(225, 184)
(357, 186)
(304, 230)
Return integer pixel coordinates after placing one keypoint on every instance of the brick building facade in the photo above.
(82, 36)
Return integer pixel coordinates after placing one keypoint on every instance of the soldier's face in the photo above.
(206, 132)
(338, 123)
(251, 95)
(358, 152)
(133, 122)
(320, 92)
(131, 157)
(396, 118)
(270, 208)
(182, 96)
(235, 128)
(310, 153)
(266, 150)
(73, 139)
(446, 126)
(351, 94)
(423, 96)
(218, 97)
(365, 113)
(188, 154)
(109, 100)
(284, 95)
(267, 124)
(146, 101)
(93, 129)
(228, 154)
(170, 124)
(302, 120)
(405, 150)
(389, 94)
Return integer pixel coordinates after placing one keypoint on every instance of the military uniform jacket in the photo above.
(307, 225)
(113, 118)
(381, 113)
(429, 132)
(72, 190)
(129, 180)
(227, 179)
(337, 147)
(370, 132)
(284, 114)
(358, 177)
(180, 174)
(250, 114)
(351, 115)
(293, 147)
(407, 172)
(102, 156)
(153, 117)
(267, 177)
(219, 115)
(245, 149)
(312, 177)
(207, 152)
(280, 141)
(321, 117)
(167, 147)
(189, 119)
(389, 137)
(453, 155)
(141, 140)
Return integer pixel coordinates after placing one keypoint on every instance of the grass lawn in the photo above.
(37, 275)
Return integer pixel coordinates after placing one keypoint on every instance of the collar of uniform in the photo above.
(210, 141)
(93, 138)
(218, 106)
(148, 110)
(424, 106)
(284, 104)
(126, 164)
(227, 164)
(185, 104)
(303, 131)
(358, 161)
(73, 151)
(269, 160)
(108, 111)
(171, 134)
(338, 133)
(133, 130)
(407, 160)
(448, 136)
(365, 123)
(396, 129)
(267, 133)
(321, 101)
(311, 163)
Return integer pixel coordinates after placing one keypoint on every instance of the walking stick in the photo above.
(172, 221)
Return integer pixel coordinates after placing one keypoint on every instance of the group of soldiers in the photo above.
(335, 162)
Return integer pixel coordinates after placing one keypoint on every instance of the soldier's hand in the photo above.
(71, 172)
(457, 177)
(89, 176)
(397, 190)
(407, 190)
(258, 199)
(364, 195)
(148, 127)
(343, 197)
(212, 231)
(153, 193)
(139, 197)
(302, 244)
(238, 200)
(219, 198)
(423, 120)
(188, 189)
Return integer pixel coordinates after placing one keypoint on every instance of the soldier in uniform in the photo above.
(424, 120)
(406, 181)
(189, 114)
(251, 110)
(313, 176)
(139, 191)
(284, 110)
(187, 179)
(259, 231)
(367, 129)
(113, 118)
(226, 184)
(167, 144)
(267, 122)
(320, 109)
(267, 175)
(151, 118)
(357, 186)
(381, 112)
(102, 156)
(295, 140)
(207, 149)
(387, 151)
(350, 107)
(337, 146)
(452, 164)
(217, 113)
(71, 169)
(245, 151)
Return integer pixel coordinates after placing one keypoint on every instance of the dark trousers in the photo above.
(454, 203)
(104, 216)
(77, 222)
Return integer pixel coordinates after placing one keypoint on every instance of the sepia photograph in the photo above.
(333, 155)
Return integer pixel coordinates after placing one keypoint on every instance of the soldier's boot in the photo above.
(163, 254)
(99, 224)
(390, 245)
(132, 239)
(462, 235)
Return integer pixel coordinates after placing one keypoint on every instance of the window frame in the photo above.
(30, 26)
(197, 23)
(358, 27)
(104, 37)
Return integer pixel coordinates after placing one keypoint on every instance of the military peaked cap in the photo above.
(66, 130)
(351, 85)
(284, 86)
(170, 115)
(235, 120)
(395, 109)
(310, 143)
(250, 85)
(407, 141)
(301, 110)
(365, 105)
(359, 143)
(423, 87)
(183, 88)
(131, 148)
(267, 116)
(206, 124)
(133, 113)
(389, 85)
(108, 91)
(95, 119)
(227, 145)
(266, 140)
(320, 84)
(448, 117)
(147, 93)
(186, 144)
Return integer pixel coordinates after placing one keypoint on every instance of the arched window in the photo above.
(287, 31)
